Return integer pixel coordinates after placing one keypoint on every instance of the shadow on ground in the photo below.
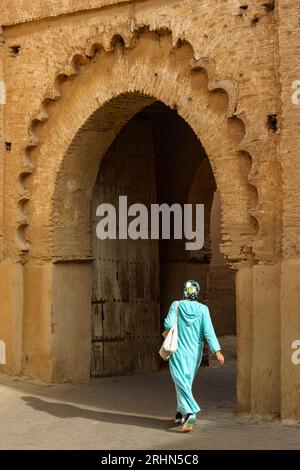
(62, 410)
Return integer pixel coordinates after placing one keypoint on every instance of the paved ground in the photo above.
(132, 413)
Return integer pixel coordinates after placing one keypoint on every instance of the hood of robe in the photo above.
(189, 310)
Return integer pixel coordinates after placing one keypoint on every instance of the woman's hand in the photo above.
(220, 357)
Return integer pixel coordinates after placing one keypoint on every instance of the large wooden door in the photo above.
(125, 302)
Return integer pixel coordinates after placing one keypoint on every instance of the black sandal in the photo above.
(179, 419)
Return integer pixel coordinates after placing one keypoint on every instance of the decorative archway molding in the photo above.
(92, 98)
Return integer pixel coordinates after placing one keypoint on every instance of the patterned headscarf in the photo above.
(191, 290)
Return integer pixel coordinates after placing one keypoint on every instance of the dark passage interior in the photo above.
(156, 158)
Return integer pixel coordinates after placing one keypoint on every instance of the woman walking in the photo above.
(194, 324)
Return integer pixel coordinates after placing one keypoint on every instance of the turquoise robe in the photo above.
(194, 324)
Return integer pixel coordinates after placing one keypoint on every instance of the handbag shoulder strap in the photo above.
(177, 305)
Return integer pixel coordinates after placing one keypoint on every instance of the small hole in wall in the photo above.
(254, 20)
(8, 145)
(269, 6)
(156, 74)
(272, 122)
(242, 10)
(15, 49)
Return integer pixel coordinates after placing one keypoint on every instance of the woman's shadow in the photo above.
(62, 410)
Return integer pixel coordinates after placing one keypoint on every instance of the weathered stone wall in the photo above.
(2, 143)
(75, 73)
(288, 65)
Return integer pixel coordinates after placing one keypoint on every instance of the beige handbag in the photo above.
(170, 343)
